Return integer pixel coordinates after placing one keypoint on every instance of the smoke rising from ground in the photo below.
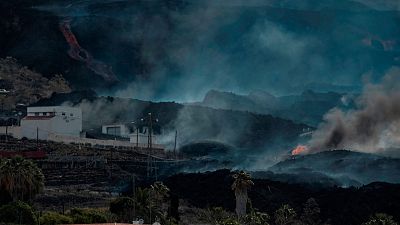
(373, 127)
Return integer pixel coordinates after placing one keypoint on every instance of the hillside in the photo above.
(345, 166)
(194, 123)
(309, 107)
(26, 86)
(341, 205)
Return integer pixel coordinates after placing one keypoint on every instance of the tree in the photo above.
(88, 216)
(123, 207)
(311, 213)
(215, 216)
(141, 206)
(20, 178)
(144, 204)
(381, 219)
(53, 218)
(285, 215)
(256, 218)
(18, 213)
(241, 184)
(159, 192)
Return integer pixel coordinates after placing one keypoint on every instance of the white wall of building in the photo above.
(14, 131)
(117, 130)
(43, 121)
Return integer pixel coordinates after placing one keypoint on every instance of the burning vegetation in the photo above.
(300, 150)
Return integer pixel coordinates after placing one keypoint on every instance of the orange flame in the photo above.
(300, 149)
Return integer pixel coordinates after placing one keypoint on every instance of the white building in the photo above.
(120, 130)
(51, 120)
(140, 136)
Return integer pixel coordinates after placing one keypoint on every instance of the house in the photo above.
(137, 135)
(41, 122)
(120, 130)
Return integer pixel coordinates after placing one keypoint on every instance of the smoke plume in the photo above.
(177, 50)
(372, 127)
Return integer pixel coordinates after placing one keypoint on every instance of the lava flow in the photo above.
(299, 150)
(78, 53)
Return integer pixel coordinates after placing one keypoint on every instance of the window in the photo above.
(71, 114)
(44, 114)
(36, 114)
(63, 113)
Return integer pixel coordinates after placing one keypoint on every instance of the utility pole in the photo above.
(176, 136)
(37, 138)
(137, 137)
(6, 132)
(151, 164)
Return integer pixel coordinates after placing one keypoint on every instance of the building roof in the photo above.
(106, 224)
(54, 109)
(38, 117)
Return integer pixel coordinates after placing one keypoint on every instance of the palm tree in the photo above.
(241, 184)
(20, 178)
(159, 192)
(144, 204)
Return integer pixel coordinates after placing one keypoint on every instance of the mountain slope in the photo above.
(344, 165)
(309, 107)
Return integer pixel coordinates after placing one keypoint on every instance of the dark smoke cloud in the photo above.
(373, 127)
(182, 49)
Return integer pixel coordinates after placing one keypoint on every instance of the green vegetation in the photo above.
(53, 218)
(285, 215)
(18, 213)
(88, 216)
(84, 216)
(123, 207)
(381, 219)
(20, 178)
(147, 203)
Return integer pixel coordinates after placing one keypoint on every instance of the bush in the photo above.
(256, 218)
(285, 215)
(123, 207)
(216, 216)
(53, 218)
(230, 221)
(88, 216)
(381, 219)
(18, 213)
